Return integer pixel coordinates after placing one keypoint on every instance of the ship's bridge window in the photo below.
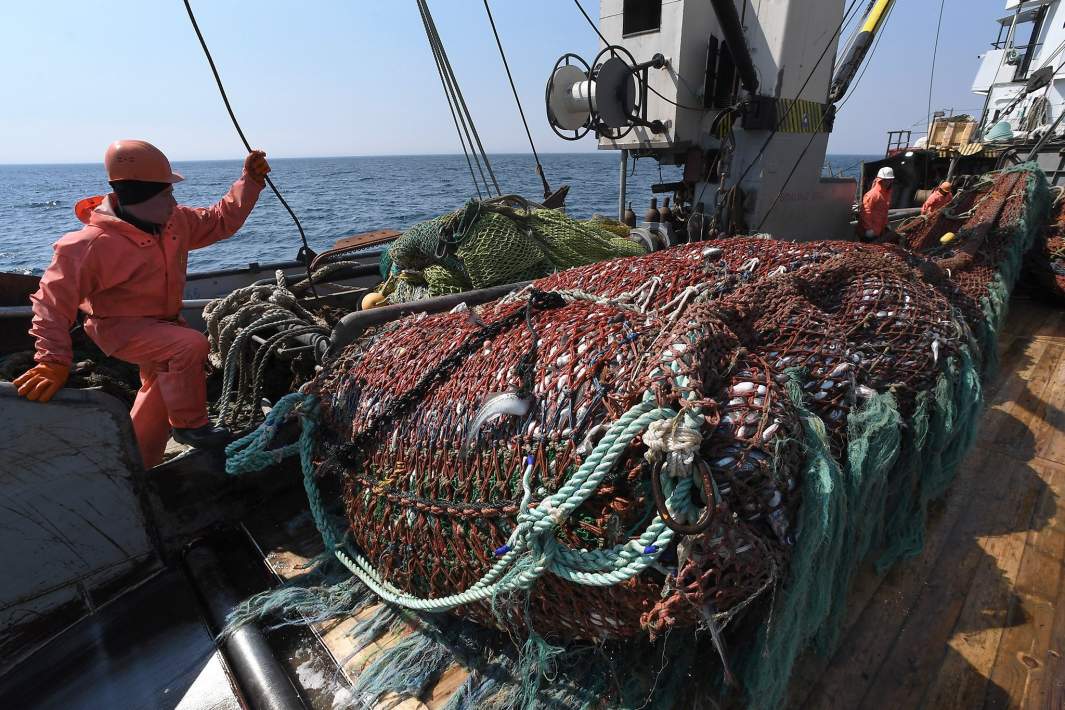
(1021, 35)
(641, 16)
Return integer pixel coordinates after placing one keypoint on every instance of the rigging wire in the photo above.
(306, 251)
(521, 112)
(464, 120)
(464, 112)
(813, 137)
(848, 16)
(833, 41)
(462, 131)
(868, 60)
(649, 87)
(935, 52)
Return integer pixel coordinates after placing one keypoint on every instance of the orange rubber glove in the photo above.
(40, 383)
(256, 166)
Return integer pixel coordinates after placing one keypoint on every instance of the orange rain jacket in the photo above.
(111, 269)
(936, 201)
(873, 216)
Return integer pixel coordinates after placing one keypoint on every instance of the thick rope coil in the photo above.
(256, 310)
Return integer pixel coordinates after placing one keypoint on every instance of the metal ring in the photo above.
(703, 523)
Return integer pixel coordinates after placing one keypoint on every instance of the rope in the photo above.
(935, 52)
(240, 132)
(234, 319)
(521, 112)
(532, 550)
(451, 86)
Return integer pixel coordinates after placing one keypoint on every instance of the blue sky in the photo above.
(346, 77)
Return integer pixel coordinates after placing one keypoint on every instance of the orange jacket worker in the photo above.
(873, 215)
(939, 198)
(126, 270)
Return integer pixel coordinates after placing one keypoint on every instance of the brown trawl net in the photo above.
(446, 429)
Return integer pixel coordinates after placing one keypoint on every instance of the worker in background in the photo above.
(939, 198)
(873, 215)
(126, 270)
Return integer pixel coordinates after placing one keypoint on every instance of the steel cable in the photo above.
(521, 112)
(307, 253)
(452, 85)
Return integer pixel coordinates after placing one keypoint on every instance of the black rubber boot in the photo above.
(207, 436)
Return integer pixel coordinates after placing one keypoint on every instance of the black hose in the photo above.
(261, 677)
(307, 253)
(351, 326)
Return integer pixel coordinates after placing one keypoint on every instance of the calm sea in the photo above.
(333, 197)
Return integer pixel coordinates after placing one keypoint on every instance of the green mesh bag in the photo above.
(496, 251)
(442, 281)
(569, 243)
(492, 243)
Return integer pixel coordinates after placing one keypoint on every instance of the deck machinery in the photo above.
(115, 576)
(742, 96)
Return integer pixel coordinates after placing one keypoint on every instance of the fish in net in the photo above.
(674, 442)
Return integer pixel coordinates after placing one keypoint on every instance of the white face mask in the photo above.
(156, 210)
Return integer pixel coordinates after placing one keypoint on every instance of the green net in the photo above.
(491, 243)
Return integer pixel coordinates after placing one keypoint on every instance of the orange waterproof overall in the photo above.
(936, 201)
(130, 285)
(873, 216)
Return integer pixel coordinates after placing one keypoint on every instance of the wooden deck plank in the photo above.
(280, 544)
(1017, 437)
(923, 630)
(809, 686)
(1014, 377)
(989, 614)
(959, 673)
(1028, 371)
(1032, 317)
(1049, 429)
(1023, 652)
(1051, 692)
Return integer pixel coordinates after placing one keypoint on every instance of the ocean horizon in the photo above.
(332, 196)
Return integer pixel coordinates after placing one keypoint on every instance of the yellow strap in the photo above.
(876, 15)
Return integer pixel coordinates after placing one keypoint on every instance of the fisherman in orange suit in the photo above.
(873, 215)
(126, 270)
(939, 198)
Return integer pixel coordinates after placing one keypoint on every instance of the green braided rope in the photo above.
(532, 549)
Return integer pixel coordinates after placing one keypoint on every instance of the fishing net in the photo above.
(494, 242)
(706, 440)
(1044, 266)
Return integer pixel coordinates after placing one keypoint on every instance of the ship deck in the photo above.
(977, 620)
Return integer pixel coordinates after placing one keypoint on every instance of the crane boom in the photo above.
(863, 42)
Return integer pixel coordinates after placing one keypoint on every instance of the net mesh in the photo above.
(494, 242)
(802, 361)
(1045, 264)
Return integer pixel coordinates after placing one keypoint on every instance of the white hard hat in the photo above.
(886, 174)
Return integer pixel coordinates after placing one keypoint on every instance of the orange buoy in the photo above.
(372, 300)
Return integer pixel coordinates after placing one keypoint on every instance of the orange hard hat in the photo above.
(945, 187)
(138, 160)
